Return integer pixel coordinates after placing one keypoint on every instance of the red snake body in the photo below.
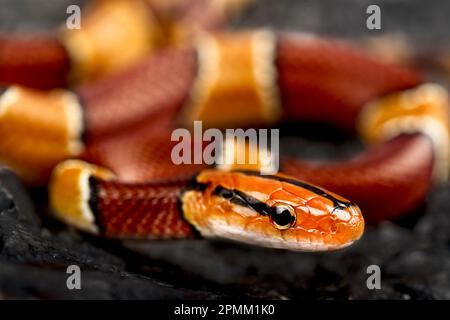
(128, 119)
(328, 81)
(319, 80)
(149, 209)
(38, 62)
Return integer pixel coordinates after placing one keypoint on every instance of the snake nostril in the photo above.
(341, 214)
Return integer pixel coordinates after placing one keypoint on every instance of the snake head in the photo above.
(271, 211)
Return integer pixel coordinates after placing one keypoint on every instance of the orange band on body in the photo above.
(113, 35)
(424, 109)
(236, 82)
(37, 130)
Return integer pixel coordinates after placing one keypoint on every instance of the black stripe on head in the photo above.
(2, 90)
(242, 199)
(233, 196)
(338, 204)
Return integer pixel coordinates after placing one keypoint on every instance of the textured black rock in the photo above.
(34, 260)
(436, 224)
(14, 195)
(413, 254)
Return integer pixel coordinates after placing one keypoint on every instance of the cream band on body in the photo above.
(70, 193)
(113, 35)
(422, 109)
(50, 124)
(236, 82)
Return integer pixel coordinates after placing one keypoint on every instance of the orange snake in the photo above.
(126, 121)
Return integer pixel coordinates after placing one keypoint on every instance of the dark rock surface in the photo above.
(413, 254)
(34, 260)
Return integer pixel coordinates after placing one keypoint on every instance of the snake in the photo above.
(270, 211)
(123, 183)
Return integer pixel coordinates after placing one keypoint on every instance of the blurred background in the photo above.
(347, 18)
(413, 253)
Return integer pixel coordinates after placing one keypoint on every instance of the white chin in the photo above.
(223, 230)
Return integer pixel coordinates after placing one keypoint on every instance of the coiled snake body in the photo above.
(124, 123)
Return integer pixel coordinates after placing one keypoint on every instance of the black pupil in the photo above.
(282, 216)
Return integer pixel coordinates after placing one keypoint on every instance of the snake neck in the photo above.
(90, 198)
(144, 210)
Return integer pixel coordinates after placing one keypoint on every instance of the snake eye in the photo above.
(283, 216)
